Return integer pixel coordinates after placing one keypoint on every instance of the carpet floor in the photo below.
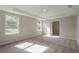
(41, 44)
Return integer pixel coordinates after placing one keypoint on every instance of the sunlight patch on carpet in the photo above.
(23, 45)
(36, 49)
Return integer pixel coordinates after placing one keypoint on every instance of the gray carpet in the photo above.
(41, 44)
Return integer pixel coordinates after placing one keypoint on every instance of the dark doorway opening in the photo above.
(55, 28)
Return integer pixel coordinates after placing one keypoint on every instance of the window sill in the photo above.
(11, 33)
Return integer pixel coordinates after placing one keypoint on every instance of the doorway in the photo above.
(55, 28)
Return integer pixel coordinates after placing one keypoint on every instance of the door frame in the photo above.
(51, 28)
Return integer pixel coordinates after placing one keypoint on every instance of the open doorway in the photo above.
(55, 28)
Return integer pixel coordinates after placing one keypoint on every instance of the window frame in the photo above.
(17, 25)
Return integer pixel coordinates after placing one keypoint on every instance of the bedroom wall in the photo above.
(27, 28)
(77, 29)
(67, 27)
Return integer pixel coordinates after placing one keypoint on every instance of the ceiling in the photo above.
(42, 11)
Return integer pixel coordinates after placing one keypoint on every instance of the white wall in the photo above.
(67, 26)
(77, 29)
(28, 28)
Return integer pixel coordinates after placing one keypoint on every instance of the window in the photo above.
(11, 24)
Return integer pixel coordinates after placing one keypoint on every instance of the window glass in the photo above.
(12, 24)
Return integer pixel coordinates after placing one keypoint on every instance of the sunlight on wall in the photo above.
(36, 49)
(23, 45)
(48, 31)
(39, 26)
